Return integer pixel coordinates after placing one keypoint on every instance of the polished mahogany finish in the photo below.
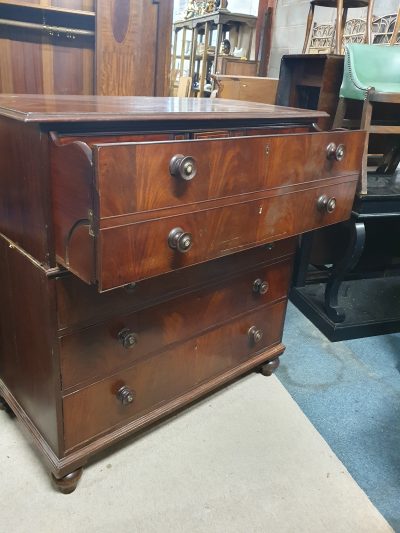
(146, 250)
(84, 47)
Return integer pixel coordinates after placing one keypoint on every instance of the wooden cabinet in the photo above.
(107, 47)
(197, 48)
(146, 254)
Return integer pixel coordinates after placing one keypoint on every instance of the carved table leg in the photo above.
(350, 259)
(68, 483)
(5, 407)
(268, 368)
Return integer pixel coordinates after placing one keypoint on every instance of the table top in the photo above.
(52, 108)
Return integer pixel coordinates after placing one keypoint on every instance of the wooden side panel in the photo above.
(24, 189)
(33, 62)
(72, 204)
(130, 34)
(28, 366)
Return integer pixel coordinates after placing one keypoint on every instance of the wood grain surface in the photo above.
(96, 352)
(169, 374)
(39, 108)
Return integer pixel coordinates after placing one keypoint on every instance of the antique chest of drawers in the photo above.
(146, 250)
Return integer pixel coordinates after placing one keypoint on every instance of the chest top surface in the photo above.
(48, 109)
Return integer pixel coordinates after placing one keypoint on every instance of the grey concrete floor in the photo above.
(245, 459)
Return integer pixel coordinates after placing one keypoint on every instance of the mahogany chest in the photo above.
(146, 250)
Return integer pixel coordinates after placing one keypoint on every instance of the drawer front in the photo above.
(100, 350)
(140, 250)
(164, 377)
(80, 304)
(136, 177)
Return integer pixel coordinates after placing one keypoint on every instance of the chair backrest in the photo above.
(321, 41)
(383, 28)
(369, 65)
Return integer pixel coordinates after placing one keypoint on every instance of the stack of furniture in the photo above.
(146, 250)
(198, 48)
(371, 79)
(342, 7)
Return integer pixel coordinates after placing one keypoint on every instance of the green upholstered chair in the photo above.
(371, 75)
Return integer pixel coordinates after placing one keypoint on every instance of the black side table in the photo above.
(359, 294)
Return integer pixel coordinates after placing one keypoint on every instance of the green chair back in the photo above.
(368, 65)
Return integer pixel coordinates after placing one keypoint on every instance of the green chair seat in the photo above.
(368, 66)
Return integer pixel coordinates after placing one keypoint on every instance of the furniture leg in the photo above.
(390, 161)
(365, 125)
(69, 482)
(310, 19)
(368, 29)
(342, 27)
(340, 113)
(350, 259)
(339, 33)
(395, 30)
(268, 368)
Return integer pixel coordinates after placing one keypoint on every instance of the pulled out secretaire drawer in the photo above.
(154, 382)
(127, 211)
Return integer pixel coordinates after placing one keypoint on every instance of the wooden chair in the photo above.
(385, 29)
(371, 75)
(342, 7)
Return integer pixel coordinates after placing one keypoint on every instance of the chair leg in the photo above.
(339, 33)
(340, 114)
(365, 125)
(310, 19)
(367, 37)
(344, 20)
(395, 30)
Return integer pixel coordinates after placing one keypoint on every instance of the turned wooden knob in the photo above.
(183, 167)
(180, 240)
(255, 334)
(326, 204)
(125, 395)
(127, 338)
(335, 152)
(260, 286)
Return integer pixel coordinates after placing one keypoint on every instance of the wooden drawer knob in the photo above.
(183, 167)
(335, 152)
(326, 204)
(127, 338)
(180, 240)
(125, 395)
(255, 334)
(260, 286)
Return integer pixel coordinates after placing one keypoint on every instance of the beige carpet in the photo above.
(244, 460)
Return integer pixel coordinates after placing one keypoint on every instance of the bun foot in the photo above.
(68, 483)
(5, 407)
(269, 368)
